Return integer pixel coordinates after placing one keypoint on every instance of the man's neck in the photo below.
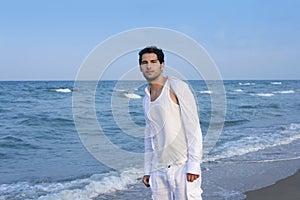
(157, 84)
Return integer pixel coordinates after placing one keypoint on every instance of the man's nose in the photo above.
(149, 66)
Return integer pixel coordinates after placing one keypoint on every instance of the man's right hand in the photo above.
(146, 180)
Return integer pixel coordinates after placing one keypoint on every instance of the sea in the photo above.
(44, 153)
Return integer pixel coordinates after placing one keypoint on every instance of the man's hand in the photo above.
(146, 180)
(192, 177)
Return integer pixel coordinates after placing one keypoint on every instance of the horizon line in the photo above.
(3, 80)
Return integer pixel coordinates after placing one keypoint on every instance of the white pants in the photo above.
(171, 184)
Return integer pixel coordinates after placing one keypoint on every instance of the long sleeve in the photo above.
(148, 152)
(190, 121)
(147, 140)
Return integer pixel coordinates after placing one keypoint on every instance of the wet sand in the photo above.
(287, 189)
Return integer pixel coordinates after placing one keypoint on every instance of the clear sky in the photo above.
(247, 39)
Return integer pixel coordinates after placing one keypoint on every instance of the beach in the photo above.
(287, 189)
(258, 147)
(236, 181)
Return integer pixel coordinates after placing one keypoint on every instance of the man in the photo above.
(173, 138)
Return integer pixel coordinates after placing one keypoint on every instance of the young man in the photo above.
(173, 138)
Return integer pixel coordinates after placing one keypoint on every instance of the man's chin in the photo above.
(150, 78)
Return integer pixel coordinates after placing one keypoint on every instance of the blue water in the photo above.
(43, 157)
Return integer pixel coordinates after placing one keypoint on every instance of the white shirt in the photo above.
(172, 132)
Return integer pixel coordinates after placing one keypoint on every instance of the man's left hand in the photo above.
(192, 177)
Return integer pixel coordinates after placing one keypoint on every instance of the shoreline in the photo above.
(287, 188)
(237, 179)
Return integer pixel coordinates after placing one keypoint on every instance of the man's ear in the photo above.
(162, 66)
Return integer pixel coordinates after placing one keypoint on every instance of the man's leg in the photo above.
(159, 185)
(186, 190)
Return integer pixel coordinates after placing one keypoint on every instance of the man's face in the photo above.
(151, 67)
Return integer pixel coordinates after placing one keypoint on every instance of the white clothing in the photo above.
(189, 126)
(167, 135)
(172, 138)
(171, 183)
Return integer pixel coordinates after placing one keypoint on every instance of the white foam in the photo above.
(263, 94)
(79, 189)
(284, 92)
(294, 127)
(63, 90)
(273, 93)
(252, 144)
(276, 83)
(238, 151)
(132, 96)
(238, 90)
(120, 90)
(205, 92)
(246, 84)
(234, 150)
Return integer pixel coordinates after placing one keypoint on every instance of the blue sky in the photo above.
(247, 39)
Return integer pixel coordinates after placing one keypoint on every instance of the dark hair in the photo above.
(152, 49)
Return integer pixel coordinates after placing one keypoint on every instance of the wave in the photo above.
(205, 92)
(3, 156)
(251, 144)
(237, 151)
(127, 94)
(80, 189)
(263, 94)
(65, 90)
(132, 96)
(41, 120)
(119, 90)
(294, 127)
(11, 139)
(273, 93)
(260, 106)
(248, 107)
(238, 90)
(235, 122)
(284, 92)
(12, 142)
(276, 83)
(246, 84)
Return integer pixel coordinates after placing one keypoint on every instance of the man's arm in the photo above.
(148, 149)
(190, 119)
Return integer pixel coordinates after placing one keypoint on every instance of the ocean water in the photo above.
(42, 156)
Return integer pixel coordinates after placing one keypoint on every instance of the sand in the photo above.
(286, 189)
